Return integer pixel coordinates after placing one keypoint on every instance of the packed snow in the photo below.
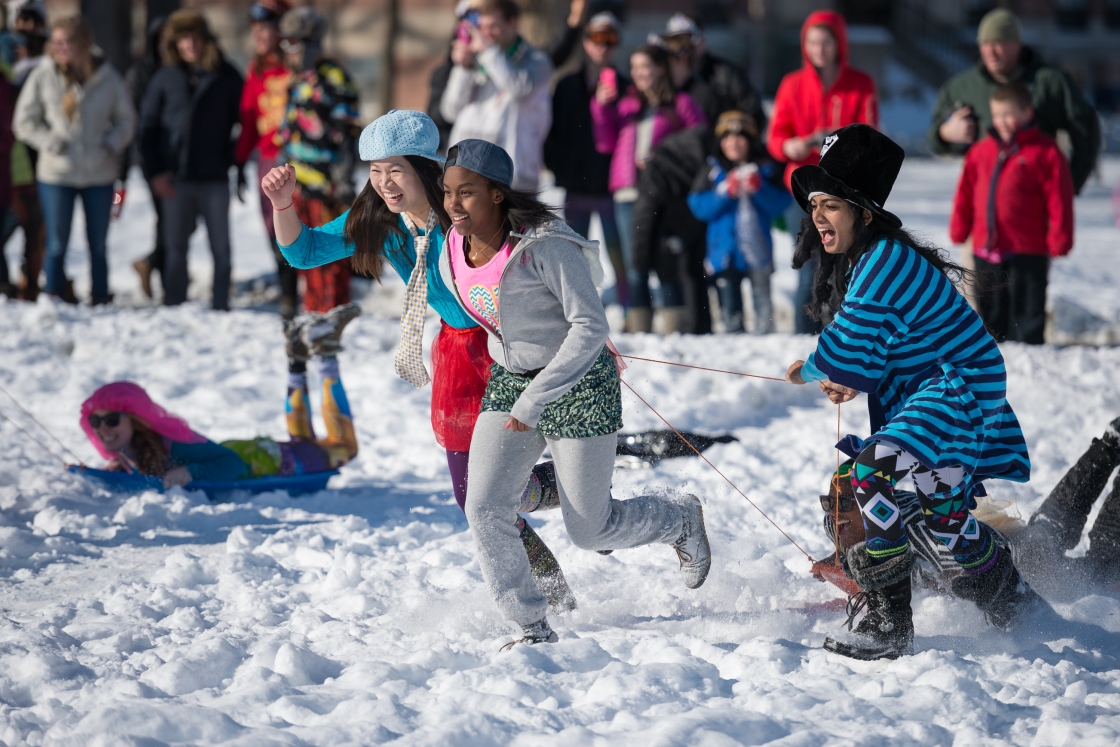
(358, 615)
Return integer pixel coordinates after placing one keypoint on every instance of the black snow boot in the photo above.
(1000, 592)
(887, 630)
(546, 571)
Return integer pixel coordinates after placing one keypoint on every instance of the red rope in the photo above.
(702, 368)
(709, 463)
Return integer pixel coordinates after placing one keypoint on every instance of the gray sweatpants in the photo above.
(500, 464)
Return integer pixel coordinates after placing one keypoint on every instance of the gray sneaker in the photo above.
(323, 332)
(692, 546)
(538, 632)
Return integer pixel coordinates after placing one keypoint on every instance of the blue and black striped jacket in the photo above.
(935, 380)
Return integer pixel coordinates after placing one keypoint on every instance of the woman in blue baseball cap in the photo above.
(530, 281)
(399, 217)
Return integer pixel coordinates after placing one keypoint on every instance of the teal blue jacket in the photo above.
(318, 246)
(208, 461)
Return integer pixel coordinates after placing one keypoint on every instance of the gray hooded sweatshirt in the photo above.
(552, 321)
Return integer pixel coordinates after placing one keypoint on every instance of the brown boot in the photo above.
(639, 319)
(144, 269)
(673, 319)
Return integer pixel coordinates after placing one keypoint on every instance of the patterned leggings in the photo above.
(874, 476)
(341, 443)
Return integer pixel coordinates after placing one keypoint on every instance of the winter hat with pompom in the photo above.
(401, 132)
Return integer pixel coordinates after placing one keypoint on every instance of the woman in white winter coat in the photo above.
(530, 282)
(76, 112)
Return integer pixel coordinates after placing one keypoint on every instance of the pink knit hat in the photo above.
(125, 396)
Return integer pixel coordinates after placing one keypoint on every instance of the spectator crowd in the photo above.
(671, 148)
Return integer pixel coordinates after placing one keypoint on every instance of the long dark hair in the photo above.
(830, 282)
(663, 92)
(522, 208)
(371, 224)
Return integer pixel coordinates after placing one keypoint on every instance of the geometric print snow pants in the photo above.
(877, 471)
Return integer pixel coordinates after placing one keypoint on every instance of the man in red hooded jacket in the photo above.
(820, 98)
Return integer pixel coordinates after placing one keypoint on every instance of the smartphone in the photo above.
(608, 77)
(463, 32)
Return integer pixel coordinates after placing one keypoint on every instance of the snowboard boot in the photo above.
(887, 630)
(692, 546)
(538, 632)
(546, 571)
(1000, 592)
(541, 494)
(323, 334)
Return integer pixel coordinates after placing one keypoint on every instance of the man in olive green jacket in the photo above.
(961, 116)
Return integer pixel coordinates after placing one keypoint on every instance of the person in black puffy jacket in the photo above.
(186, 146)
(668, 238)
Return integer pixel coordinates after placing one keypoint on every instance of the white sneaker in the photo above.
(692, 547)
(534, 633)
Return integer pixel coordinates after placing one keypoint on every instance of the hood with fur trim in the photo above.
(184, 23)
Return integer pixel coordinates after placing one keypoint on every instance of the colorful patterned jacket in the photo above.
(319, 131)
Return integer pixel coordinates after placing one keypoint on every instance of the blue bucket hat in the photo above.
(401, 132)
(483, 158)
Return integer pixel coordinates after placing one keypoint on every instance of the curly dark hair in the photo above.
(830, 282)
(147, 445)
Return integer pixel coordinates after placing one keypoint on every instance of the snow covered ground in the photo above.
(358, 615)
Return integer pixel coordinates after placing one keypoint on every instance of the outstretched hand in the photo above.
(278, 185)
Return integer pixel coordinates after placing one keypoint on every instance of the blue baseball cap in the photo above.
(401, 132)
(483, 158)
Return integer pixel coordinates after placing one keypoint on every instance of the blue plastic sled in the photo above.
(292, 484)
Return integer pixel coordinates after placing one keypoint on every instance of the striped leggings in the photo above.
(945, 507)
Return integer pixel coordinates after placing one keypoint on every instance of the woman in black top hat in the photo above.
(936, 387)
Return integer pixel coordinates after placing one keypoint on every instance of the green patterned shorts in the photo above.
(593, 407)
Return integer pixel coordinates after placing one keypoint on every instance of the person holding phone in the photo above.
(498, 89)
(629, 123)
(570, 153)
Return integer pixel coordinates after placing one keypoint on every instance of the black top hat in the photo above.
(858, 164)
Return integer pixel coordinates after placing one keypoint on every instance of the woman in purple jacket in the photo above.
(629, 127)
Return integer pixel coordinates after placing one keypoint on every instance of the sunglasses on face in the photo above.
(606, 38)
(112, 419)
(847, 502)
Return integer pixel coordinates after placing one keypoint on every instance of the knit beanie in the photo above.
(999, 25)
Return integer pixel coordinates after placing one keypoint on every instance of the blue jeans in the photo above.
(729, 284)
(803, 296)
(637, 283)
(577, 212)
(58, 213)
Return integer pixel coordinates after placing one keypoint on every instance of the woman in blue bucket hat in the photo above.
(399, 217)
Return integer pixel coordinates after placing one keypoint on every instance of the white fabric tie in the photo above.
(410, 357)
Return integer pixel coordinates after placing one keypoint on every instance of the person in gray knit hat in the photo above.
(961, 115)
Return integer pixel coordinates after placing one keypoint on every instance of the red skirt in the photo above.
(460, 373)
